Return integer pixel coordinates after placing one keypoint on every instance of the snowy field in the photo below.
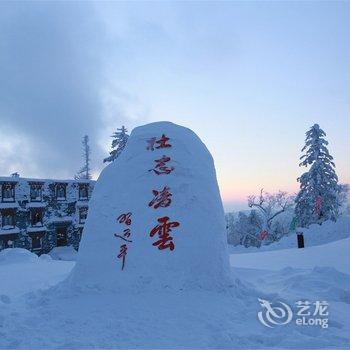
(334, 254)
(32, 318)
(316, 235)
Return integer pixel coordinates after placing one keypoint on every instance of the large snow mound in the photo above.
(164, 176)
(16, 256)
(63, 253)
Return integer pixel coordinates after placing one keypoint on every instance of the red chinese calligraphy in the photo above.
(162, 142)
(125, 236)
(162, 198)
(163, 229)
(122, 254)
(161, 167)
(150, 144)
(125, 218)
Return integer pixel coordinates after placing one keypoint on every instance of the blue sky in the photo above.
(248, 77)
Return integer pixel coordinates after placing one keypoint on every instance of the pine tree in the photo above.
(318, 198)
(85, 171)
(120, 138)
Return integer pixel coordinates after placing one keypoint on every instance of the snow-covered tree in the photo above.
(343, 196)
(120, 138)
(319, 198)
(244, 228)
(85, 170)
(263, 224)
(347, 210)
(270, 206)
(230, 221)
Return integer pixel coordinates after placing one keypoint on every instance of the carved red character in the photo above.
(122, 254)
(150, 144)
(161, 198)
(163, 229)
(125, 218)
(162, 142)
(161, 167)
(125, 236)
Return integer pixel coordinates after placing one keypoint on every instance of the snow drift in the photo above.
(63, 253)
(17, 256)
(156, 218)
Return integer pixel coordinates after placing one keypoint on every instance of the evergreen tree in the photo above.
(120, 138)
(319, 197)
(85, 170)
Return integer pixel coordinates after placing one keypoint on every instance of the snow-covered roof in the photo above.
(82, 203)
(61, 219)
(8, 205)
(36, 205)
(22, 189)
(10, 231)
(18, 179)
(36, 229)
(9, 179)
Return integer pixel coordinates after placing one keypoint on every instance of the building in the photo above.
(39, 214)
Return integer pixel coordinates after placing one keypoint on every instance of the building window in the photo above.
(84, 191)
(8, 220)
(8, 192)
(83, 215)
(61, 233)
(37, 218)
(61, 192)
(36, 193)
(36, 242)
(6, 244)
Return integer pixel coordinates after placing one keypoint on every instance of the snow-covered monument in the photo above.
(156, 219)
(40, 214)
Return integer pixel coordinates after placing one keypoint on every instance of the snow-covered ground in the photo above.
(22, 272)
(63, 253)
(328, 232)
(335, 254)
(35, 316)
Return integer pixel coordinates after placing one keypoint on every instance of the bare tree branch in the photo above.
(271, 205)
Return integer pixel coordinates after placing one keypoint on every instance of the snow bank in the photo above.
(45, 257)
(16, 256)
(328, 232)
(22, 271)
(191, 320)
(64, 253)
(132, 252)
(334, 254)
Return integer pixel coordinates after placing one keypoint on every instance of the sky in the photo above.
(249, 78)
